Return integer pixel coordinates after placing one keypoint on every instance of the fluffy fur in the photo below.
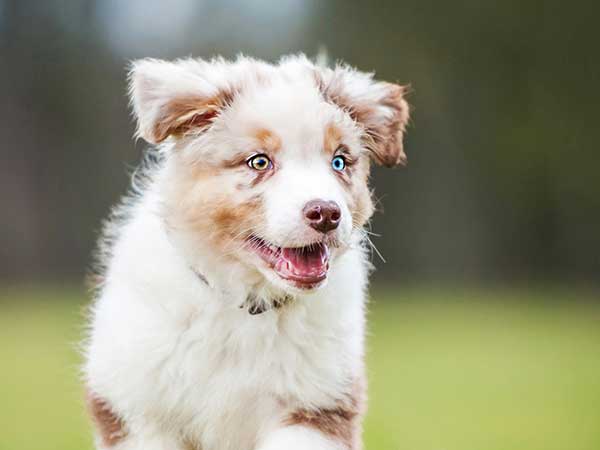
(174, 360)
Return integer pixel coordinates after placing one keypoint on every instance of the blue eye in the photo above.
(338, 163)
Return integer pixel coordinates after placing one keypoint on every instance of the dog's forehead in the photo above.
(292, 109)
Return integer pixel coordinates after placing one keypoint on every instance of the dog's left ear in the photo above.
(379, 107)
(173, 98)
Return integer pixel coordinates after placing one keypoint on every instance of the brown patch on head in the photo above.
(360, 204)
(214, 204)
(110, 427)
(229, 217)
(267, 140)
(358, 195)
(182, 115)
(381, 111)
(332, 139)
(386, 145)
(341, 423)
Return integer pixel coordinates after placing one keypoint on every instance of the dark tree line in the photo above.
(502, 181)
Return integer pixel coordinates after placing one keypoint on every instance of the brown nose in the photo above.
(322, 215)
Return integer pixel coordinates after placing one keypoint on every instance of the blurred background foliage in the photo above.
(502, 182)
(502, 192)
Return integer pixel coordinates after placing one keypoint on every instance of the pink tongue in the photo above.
(306, 262)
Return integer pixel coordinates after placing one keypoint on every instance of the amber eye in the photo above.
(260, 162)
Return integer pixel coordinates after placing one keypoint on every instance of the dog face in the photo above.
(268, 164)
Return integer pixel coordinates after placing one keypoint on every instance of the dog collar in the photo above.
(254, 306)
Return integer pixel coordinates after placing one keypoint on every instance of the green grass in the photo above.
(449, 370)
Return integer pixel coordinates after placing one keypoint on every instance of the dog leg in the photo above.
(298, 437)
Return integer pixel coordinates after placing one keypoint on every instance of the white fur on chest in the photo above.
(166, 348)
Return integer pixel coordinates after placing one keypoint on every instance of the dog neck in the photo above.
(254, 304)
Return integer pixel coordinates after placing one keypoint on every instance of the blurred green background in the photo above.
(485, 319)
(449, 369)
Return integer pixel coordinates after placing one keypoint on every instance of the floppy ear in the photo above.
(379, 107)
(171, 99)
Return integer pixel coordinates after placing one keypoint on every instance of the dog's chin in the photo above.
(292, 269)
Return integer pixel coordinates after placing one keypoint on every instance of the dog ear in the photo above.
(379, 107)
(173, 98)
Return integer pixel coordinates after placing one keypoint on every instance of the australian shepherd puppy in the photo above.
(231, 314)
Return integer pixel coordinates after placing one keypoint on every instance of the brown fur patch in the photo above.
(110, 427)
(341, 423)
(213, 204)
(180, 115)
(267, 140)
(383, 135)
(360, 203)
(190, 444)
(235, 161)
(333, 138)
(228, 217)
(390, 151)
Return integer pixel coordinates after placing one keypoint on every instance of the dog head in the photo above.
(268, 165)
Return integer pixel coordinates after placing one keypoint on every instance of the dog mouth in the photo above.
(305, 267)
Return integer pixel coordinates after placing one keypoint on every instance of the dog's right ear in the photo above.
(173, 99)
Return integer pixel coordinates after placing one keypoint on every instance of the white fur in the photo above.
(166, 348)
(298, 438)
(177, 358)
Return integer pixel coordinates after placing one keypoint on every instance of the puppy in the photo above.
(231, 311)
